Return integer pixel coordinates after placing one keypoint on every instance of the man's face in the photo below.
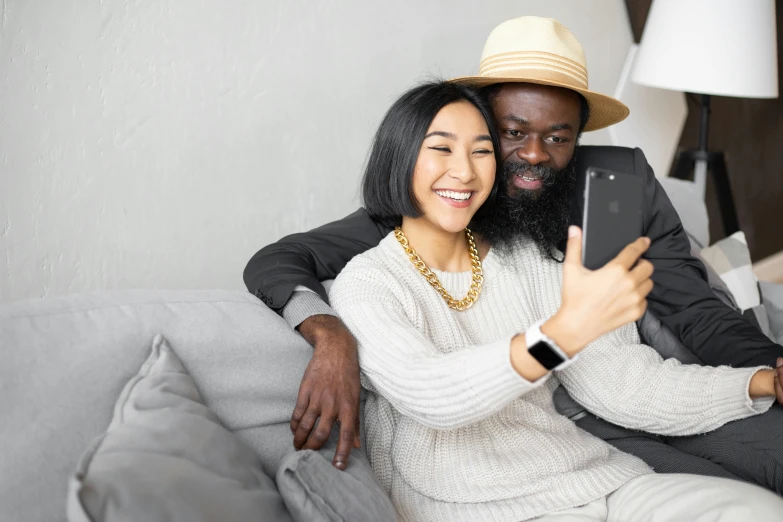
(538, 127)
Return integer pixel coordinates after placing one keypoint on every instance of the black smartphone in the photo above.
(612, 216)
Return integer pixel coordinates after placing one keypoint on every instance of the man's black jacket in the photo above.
(681, 299)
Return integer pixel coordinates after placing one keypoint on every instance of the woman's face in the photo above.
(455, 170)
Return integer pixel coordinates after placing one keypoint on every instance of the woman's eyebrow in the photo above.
(448, 135)
(451, 136)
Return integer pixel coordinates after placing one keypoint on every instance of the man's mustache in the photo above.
(546, 174)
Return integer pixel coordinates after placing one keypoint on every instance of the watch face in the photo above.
(545, 355)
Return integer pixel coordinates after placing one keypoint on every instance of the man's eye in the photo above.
(558, 139)
(513, 133)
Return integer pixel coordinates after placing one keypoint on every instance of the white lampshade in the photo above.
(720, 47)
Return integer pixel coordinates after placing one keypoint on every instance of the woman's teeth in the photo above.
(457, 196)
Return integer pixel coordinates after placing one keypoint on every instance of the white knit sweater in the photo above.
(455, 433)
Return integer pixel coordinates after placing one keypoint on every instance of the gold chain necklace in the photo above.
(432, 279)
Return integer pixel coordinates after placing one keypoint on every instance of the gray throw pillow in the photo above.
(166, 457)
(729, 258)
(314, 491)
(772, 299)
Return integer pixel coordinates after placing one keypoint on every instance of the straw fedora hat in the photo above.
(541, 50)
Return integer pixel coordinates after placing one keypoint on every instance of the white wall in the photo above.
(160, 143)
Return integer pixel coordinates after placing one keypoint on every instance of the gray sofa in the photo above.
(67, 359)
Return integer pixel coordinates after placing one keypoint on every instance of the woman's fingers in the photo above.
(642, 272)
(644, 289)
(573, 253)
(630, 254)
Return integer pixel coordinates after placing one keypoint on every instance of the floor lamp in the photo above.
(710, 47)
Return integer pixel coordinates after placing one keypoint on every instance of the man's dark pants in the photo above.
(749, 449)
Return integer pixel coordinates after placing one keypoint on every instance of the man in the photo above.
(542, 104)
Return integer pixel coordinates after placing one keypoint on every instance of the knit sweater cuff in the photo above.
(493, 372)
(304, 304)
(732, 391)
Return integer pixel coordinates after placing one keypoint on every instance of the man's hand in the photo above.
(330, 389)
(779, 380)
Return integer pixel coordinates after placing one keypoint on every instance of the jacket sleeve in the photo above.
(683, 300)
(307, 258)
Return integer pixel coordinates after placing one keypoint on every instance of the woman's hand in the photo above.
(766, 383)
(596, 302)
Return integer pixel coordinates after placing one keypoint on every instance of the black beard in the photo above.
(543, 216)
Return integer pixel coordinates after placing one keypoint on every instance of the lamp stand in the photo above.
(701, 161)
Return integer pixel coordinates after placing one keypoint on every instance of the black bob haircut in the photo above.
(387, 188)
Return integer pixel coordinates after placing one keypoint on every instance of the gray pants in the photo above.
(749, 449)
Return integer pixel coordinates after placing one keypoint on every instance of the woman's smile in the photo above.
(456, 198)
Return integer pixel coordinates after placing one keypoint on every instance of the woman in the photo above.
(459, 417)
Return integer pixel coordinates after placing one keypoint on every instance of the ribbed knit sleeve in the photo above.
(440, 390)
(631, 385)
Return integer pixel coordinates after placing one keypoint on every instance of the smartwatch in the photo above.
(545, 350)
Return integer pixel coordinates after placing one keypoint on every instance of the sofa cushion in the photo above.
(314, 491)
(165, 457)
(65, 361)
